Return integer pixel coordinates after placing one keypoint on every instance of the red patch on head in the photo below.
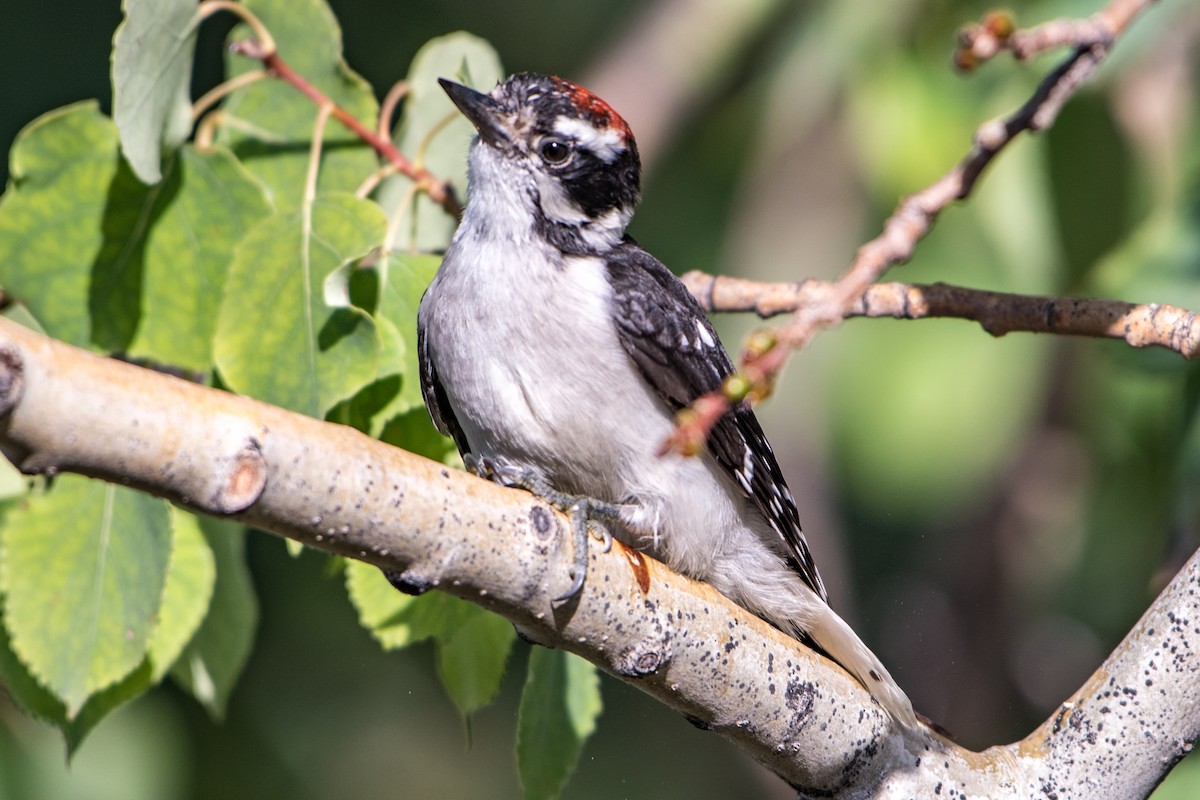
(598, 112)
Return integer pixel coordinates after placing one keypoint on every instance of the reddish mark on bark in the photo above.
(637, 563)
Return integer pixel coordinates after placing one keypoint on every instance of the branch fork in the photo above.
(821, 306)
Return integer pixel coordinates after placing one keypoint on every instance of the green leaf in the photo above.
(151, 74)
(414, 432)
(115, 293)
(51, 218)
(21, 687)
(472, 644)
(471, 659)
(187, 257)
(558, 713)
(269, 124)
(396, 391)
(433, 133)
(54, 142)
(19, 684)
(82, 569)
(402, 282)
(185, 602)
(212, 662)
(363, 410)
(377, 602)
(85, 246)
(286, 332)
(397, 620)
(73, 228)
(103, 703)
(189, 589)
(12, 482)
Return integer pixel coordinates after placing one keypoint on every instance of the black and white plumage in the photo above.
(553, 344)
(667, 335)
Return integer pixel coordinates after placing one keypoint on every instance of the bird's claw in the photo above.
(601, 534)
(579, 528)
(584, 525)
(587, 516)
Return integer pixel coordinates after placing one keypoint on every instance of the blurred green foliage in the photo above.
(991, 514)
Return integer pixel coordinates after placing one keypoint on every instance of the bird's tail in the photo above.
(836, 638)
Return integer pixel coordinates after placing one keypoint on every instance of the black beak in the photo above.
(483, 111)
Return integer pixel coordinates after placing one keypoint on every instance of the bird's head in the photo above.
(558, 151)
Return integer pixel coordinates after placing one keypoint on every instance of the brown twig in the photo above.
(438, 190)
(996, 33)
(916, 214)
(1139, 325)
(387, 109)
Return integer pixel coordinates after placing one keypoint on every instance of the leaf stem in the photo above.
(210, 7)
(438, 190)
(387, 108)
(213, 95)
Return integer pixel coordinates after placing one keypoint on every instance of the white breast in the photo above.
(525, 347)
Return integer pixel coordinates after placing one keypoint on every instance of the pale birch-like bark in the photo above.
(65, 410)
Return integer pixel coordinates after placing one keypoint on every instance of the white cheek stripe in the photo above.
(605, 143)
(556, 204)
(602, 232)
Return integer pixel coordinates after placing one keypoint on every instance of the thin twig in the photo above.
(314, 157)
(393, 227)
(262, 48)
(438, 190)
(221, 90)
(387, 109)
(916, 213)
(1139, 325)
(374, 179)
(261, 32)
(914, 218)
(979, 42)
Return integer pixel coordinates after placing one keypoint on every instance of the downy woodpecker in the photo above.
(556, 351)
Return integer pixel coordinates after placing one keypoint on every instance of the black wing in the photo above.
(434, 394)
(665, 332)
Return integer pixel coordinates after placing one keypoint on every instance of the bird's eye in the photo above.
(554, 150)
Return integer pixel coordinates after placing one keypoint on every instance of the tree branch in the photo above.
(65, 410)
(1138, 325)
(916, 214)
(981, 42)
(764, 357)
(262, 48)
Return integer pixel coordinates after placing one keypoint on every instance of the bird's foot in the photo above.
(588, 516)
